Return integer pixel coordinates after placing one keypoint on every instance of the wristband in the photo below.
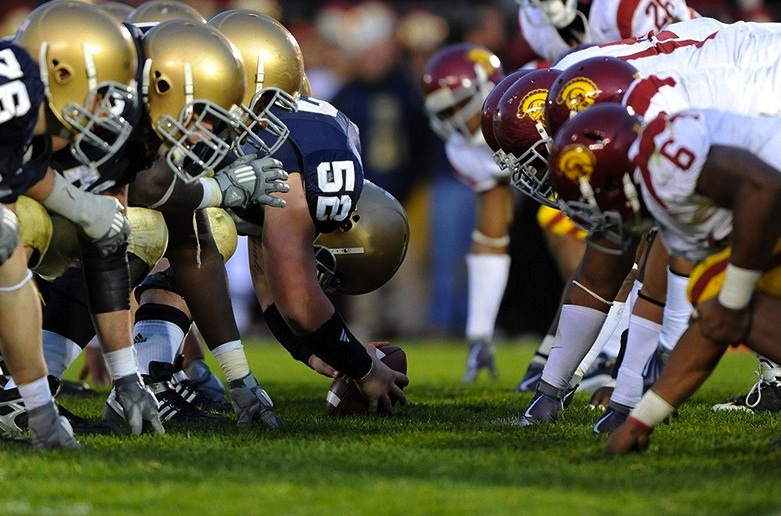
(738, 287)
(651, 410)
(212, 196)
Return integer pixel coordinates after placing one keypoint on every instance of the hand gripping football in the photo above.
(345, 399)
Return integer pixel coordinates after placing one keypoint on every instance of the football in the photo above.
(345, 399)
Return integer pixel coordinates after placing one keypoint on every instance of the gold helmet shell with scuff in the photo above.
(88, 63)
(149, 14)
(364, 255)
(274, 68)
(192, 85)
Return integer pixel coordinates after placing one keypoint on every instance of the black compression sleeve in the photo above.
(281, 331)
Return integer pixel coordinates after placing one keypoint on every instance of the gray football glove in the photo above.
(9, 233)
(138, 404)
(252, 404)
(252, 180)
(118, 226)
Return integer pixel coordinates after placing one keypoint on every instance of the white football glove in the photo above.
(252, 180)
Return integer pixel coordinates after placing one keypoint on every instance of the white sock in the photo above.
(122, 362)
(578, 328)
(609, 327)
(59, 352)
(677, 311)
(640, 345)
(36, 393)
(156, 340)
(232, 360)
(613, 345)
(487, 278)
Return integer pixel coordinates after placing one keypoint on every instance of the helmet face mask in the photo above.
(260, 118)
(89, 75)
(105, 125)
(456, 83)
(593, 174)
(193, 84)
(198, 139)
(519, 128)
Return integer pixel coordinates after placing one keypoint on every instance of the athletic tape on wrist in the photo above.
(738, 287)
(652, 410)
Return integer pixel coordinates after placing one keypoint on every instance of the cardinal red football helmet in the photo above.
(593, 80)
(519, 128)
(456, 81)
(489, 110)
(591, 170)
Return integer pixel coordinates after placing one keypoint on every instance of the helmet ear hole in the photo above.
(162, 86)
(62, 73)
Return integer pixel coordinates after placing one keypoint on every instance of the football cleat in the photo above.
(174, 403)
(533, 374)
(252, 404)
(653, 368)
(764, 396)
(13, 414)
(83, 426)
(209, 390)
(545, 405)
(614, 416)
(76, 389)
(50, 430)
(481, 356)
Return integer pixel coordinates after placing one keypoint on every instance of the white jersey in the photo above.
(697, 43)
(670, 154)
(751, 91)
(608, 20)
(474, 163)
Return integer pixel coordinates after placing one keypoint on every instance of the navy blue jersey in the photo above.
(21, 94)
(324, 146)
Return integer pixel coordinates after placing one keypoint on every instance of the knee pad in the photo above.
(107, 279)
(163, 280)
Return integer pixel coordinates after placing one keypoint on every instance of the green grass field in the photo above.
(451, 450)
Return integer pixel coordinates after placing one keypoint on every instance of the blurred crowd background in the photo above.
(366, 57)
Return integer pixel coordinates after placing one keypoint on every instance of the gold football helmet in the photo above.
(364, 255)
(118, 10)
(274, 66)
(192, 86)
(149, 14)
(88, 63)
